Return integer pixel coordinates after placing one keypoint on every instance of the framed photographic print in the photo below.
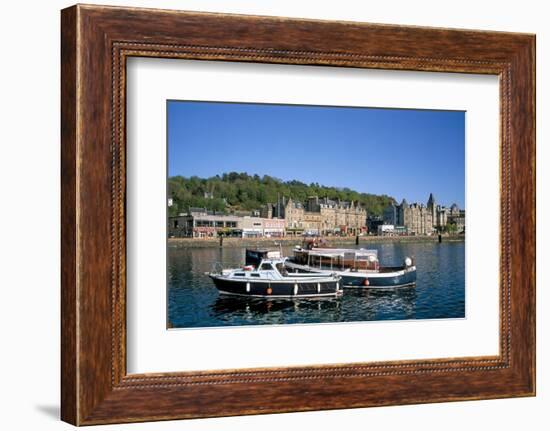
(268, 215)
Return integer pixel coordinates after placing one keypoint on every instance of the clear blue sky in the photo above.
(399, 152)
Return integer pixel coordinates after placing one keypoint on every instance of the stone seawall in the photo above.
(269, 242)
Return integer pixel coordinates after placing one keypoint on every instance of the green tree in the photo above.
(240, 191)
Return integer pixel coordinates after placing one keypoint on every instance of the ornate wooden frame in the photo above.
(95, 43)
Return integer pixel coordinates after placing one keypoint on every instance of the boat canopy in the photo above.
(359, 254)
(255, 256)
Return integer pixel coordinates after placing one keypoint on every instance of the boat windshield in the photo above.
(282, 270)
(266, 267)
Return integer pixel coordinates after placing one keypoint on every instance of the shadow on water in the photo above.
(230, 304)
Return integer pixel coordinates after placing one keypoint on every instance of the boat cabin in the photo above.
(338, 259)
(255, 256)
(267, 269)
(261, 264)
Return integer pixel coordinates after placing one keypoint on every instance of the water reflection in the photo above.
(278, 311)
(193, 301)
(385, 304)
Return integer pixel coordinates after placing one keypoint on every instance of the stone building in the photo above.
(457, 217)
(417, 218)
(320, 216)
(342, 217)
(266, 211)
(452, 217)
(420, 219)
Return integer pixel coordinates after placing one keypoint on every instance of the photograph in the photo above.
(282, 214)
(314, 216)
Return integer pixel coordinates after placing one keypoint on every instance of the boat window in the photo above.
(239, 274)
(266, 267)
(254, 275)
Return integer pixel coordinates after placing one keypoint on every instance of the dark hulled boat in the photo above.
(265, 275)
(358, 268)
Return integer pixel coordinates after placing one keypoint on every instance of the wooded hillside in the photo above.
(240, 191)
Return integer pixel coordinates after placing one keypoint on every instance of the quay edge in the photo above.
(290, 241)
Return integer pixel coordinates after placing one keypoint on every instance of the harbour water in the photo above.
(194, 302)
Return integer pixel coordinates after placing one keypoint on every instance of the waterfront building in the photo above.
(373, 222)
(391, 230)
(252, 227)
(458, 218)
(274, 228)
(420, 219)
(256, 227)
(201, 223)
(385, 229)
(416, 218)
(312, 223)
(342, 217)
(452, 217)
(319, 216)
(293, 214)
(390, 214)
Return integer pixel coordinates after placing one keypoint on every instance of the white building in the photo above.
(385, 229)
(254, 227)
